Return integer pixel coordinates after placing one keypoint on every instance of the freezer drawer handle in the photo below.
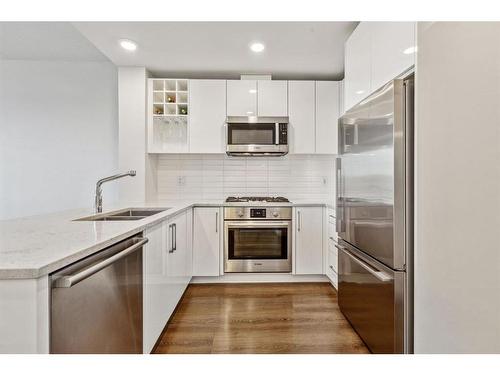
(70, 280)
(382, 276)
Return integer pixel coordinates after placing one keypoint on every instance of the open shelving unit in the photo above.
(168, 115)
(170, 97)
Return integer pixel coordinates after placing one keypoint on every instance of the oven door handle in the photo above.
(257, 224)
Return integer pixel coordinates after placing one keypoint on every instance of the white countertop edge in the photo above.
(37, 272)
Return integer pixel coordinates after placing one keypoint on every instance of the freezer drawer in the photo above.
(372, 297)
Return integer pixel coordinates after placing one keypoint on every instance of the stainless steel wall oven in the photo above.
(257, 239)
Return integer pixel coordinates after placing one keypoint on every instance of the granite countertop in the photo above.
(35, 246)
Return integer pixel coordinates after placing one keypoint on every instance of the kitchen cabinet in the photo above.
(156, 311)
(206, 241)
(167, 270)
(272, 98)
(252, 98)
(308, 240)
(332, 252)
(168, 110)
(301, 98)
(180, 255)
(207, 116)
(375, 53)
(392, 50)
(242, 98)
(327, 115)
(357, 68)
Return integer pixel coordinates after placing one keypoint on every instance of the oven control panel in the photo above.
(257, 213)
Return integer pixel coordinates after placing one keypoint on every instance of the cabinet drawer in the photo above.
(332, 275)
(333, 259)
(332, 233)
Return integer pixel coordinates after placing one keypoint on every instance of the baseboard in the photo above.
(259, 278)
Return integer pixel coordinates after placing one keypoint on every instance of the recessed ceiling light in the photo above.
(128, 44)
(360, 92)
(252, 91)
(410, 50)
(249, 113)
(257, 47)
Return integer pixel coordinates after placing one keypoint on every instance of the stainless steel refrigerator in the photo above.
(374, 217)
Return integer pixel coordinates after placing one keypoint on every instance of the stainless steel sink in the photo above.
(124, 215)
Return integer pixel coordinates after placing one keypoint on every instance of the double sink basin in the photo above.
(125, 214)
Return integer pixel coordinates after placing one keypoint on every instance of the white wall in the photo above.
(457, 255)
(132, 87)
(213, 176)
(58, 134)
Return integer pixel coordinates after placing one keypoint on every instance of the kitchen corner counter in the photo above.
(35, 246)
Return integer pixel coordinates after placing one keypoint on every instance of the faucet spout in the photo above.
(98, 187)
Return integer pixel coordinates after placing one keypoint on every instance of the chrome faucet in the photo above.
(98, 188)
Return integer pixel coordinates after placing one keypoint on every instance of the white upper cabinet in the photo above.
(357, 65)
(301, 116)
(392, 49)
(375, 53)
(242, 98)
(206, 241)
(272, 98)
(327, 114)
(207, 100)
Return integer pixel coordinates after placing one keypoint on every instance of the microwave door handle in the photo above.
(277, 133)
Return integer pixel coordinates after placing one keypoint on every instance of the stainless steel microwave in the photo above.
(256, 136)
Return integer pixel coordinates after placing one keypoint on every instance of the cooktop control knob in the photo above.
(276, 213)
(239, 213)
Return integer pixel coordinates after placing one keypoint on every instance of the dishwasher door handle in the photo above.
(70, 280)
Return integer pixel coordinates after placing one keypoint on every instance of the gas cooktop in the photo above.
(257, 199)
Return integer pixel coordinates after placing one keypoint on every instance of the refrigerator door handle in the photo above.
(382, 276)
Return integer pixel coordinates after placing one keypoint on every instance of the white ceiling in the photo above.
(45, 41)
(294, 50)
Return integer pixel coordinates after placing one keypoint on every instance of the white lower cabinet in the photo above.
(308, 240)
(167, 270)
(155, 285)
(332, 254)
(206, 241)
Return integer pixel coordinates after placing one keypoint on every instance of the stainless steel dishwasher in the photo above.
(96, 303)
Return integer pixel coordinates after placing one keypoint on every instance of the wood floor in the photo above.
(259, 318)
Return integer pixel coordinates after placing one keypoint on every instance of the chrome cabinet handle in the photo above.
(216, 221)
(171, 235)
(382, 276)
(333, 269)
(70, 280)
(299, 220)
(175, 237)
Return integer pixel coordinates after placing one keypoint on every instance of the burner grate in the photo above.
(257, 199)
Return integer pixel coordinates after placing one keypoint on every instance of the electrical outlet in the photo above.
(181, 180)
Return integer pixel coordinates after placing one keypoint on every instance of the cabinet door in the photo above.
(180, 252)
(301, 117)
(207, 105)
(156, 310)
(357, 65)
(308, 240)
(206, 241)
(392, 50)
(327, 115)
(272, 98)
(242, 98)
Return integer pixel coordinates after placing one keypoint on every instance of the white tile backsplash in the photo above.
(209, 176)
